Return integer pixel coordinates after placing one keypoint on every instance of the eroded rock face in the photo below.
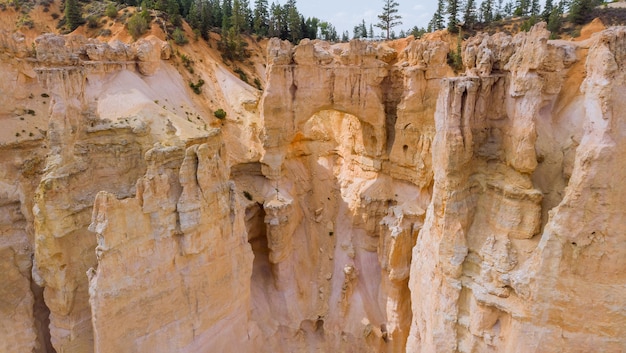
(385, 205)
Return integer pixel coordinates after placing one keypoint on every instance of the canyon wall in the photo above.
(370, 199)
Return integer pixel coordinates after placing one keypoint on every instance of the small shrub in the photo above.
(247, 195)
(45, 95)
(30, 134)
(25, 21)
(257, 83)
(92, 21)
(17, 134)
(220, 114)
(30, 112)
(105, 33)
(179, 37)
(187, 63)
(197, 87)
(55, 16)
(242, 75)
(111, 11)
(137, 25)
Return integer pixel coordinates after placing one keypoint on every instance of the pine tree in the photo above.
(497, 15)
(278, 22)
(345, 36)
(293, 21)
(185, 7)
(469, 17)
(328, 32)
(453, 13)
(360, 30)
(437, 23)
(522, 8)
(261, 18)
(580, 10)
(508, 9)
(390, 17)
(486, 11)
(216, 14)
(73, 17)
(535, 8)
(206, 20)
(311, 27)
(173, 11)
(237, 19)
(547, 10)
(227, 13)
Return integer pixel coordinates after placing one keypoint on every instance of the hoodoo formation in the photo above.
(367, 199)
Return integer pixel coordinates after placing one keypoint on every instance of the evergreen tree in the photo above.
(497, 14)
(206, 20)
(216, 14)
(193, 17)
(580, 10)
(278, 22)
(312, 25)
(453, 13)
(293, 21)
(370, 33)
(328, 32)
(469, 17)
(508, 9)
(390, 17)
(345, 36)
(555, 19)
(261, 18)
(522, 8)
(173, 11)
(486, 11)
(185, 7)
(360, 31)
(417, 32)
(73, 16)
(227, 13)
(535, 8)
(237, 19)
(437, 22)
(547, 10)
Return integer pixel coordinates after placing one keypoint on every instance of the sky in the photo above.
(345, 14)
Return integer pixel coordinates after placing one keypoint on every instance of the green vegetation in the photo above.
(111, 10)
(73, 16)
(137, 25)
(257, 84)
(197, 87)
(389, 18)
(242, 75)
(179, 37)
(92, 21)
(220, 114)
(455, 58)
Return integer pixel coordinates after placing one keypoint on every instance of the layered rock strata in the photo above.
(382, 204)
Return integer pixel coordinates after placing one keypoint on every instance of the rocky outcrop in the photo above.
(382, 204)
(488, 274)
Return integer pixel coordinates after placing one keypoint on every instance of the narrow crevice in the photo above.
(41, 316)
(392, 87)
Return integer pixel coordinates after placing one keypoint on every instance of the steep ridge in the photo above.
(367, 201)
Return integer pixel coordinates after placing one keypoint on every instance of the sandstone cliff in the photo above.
(368, 200)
